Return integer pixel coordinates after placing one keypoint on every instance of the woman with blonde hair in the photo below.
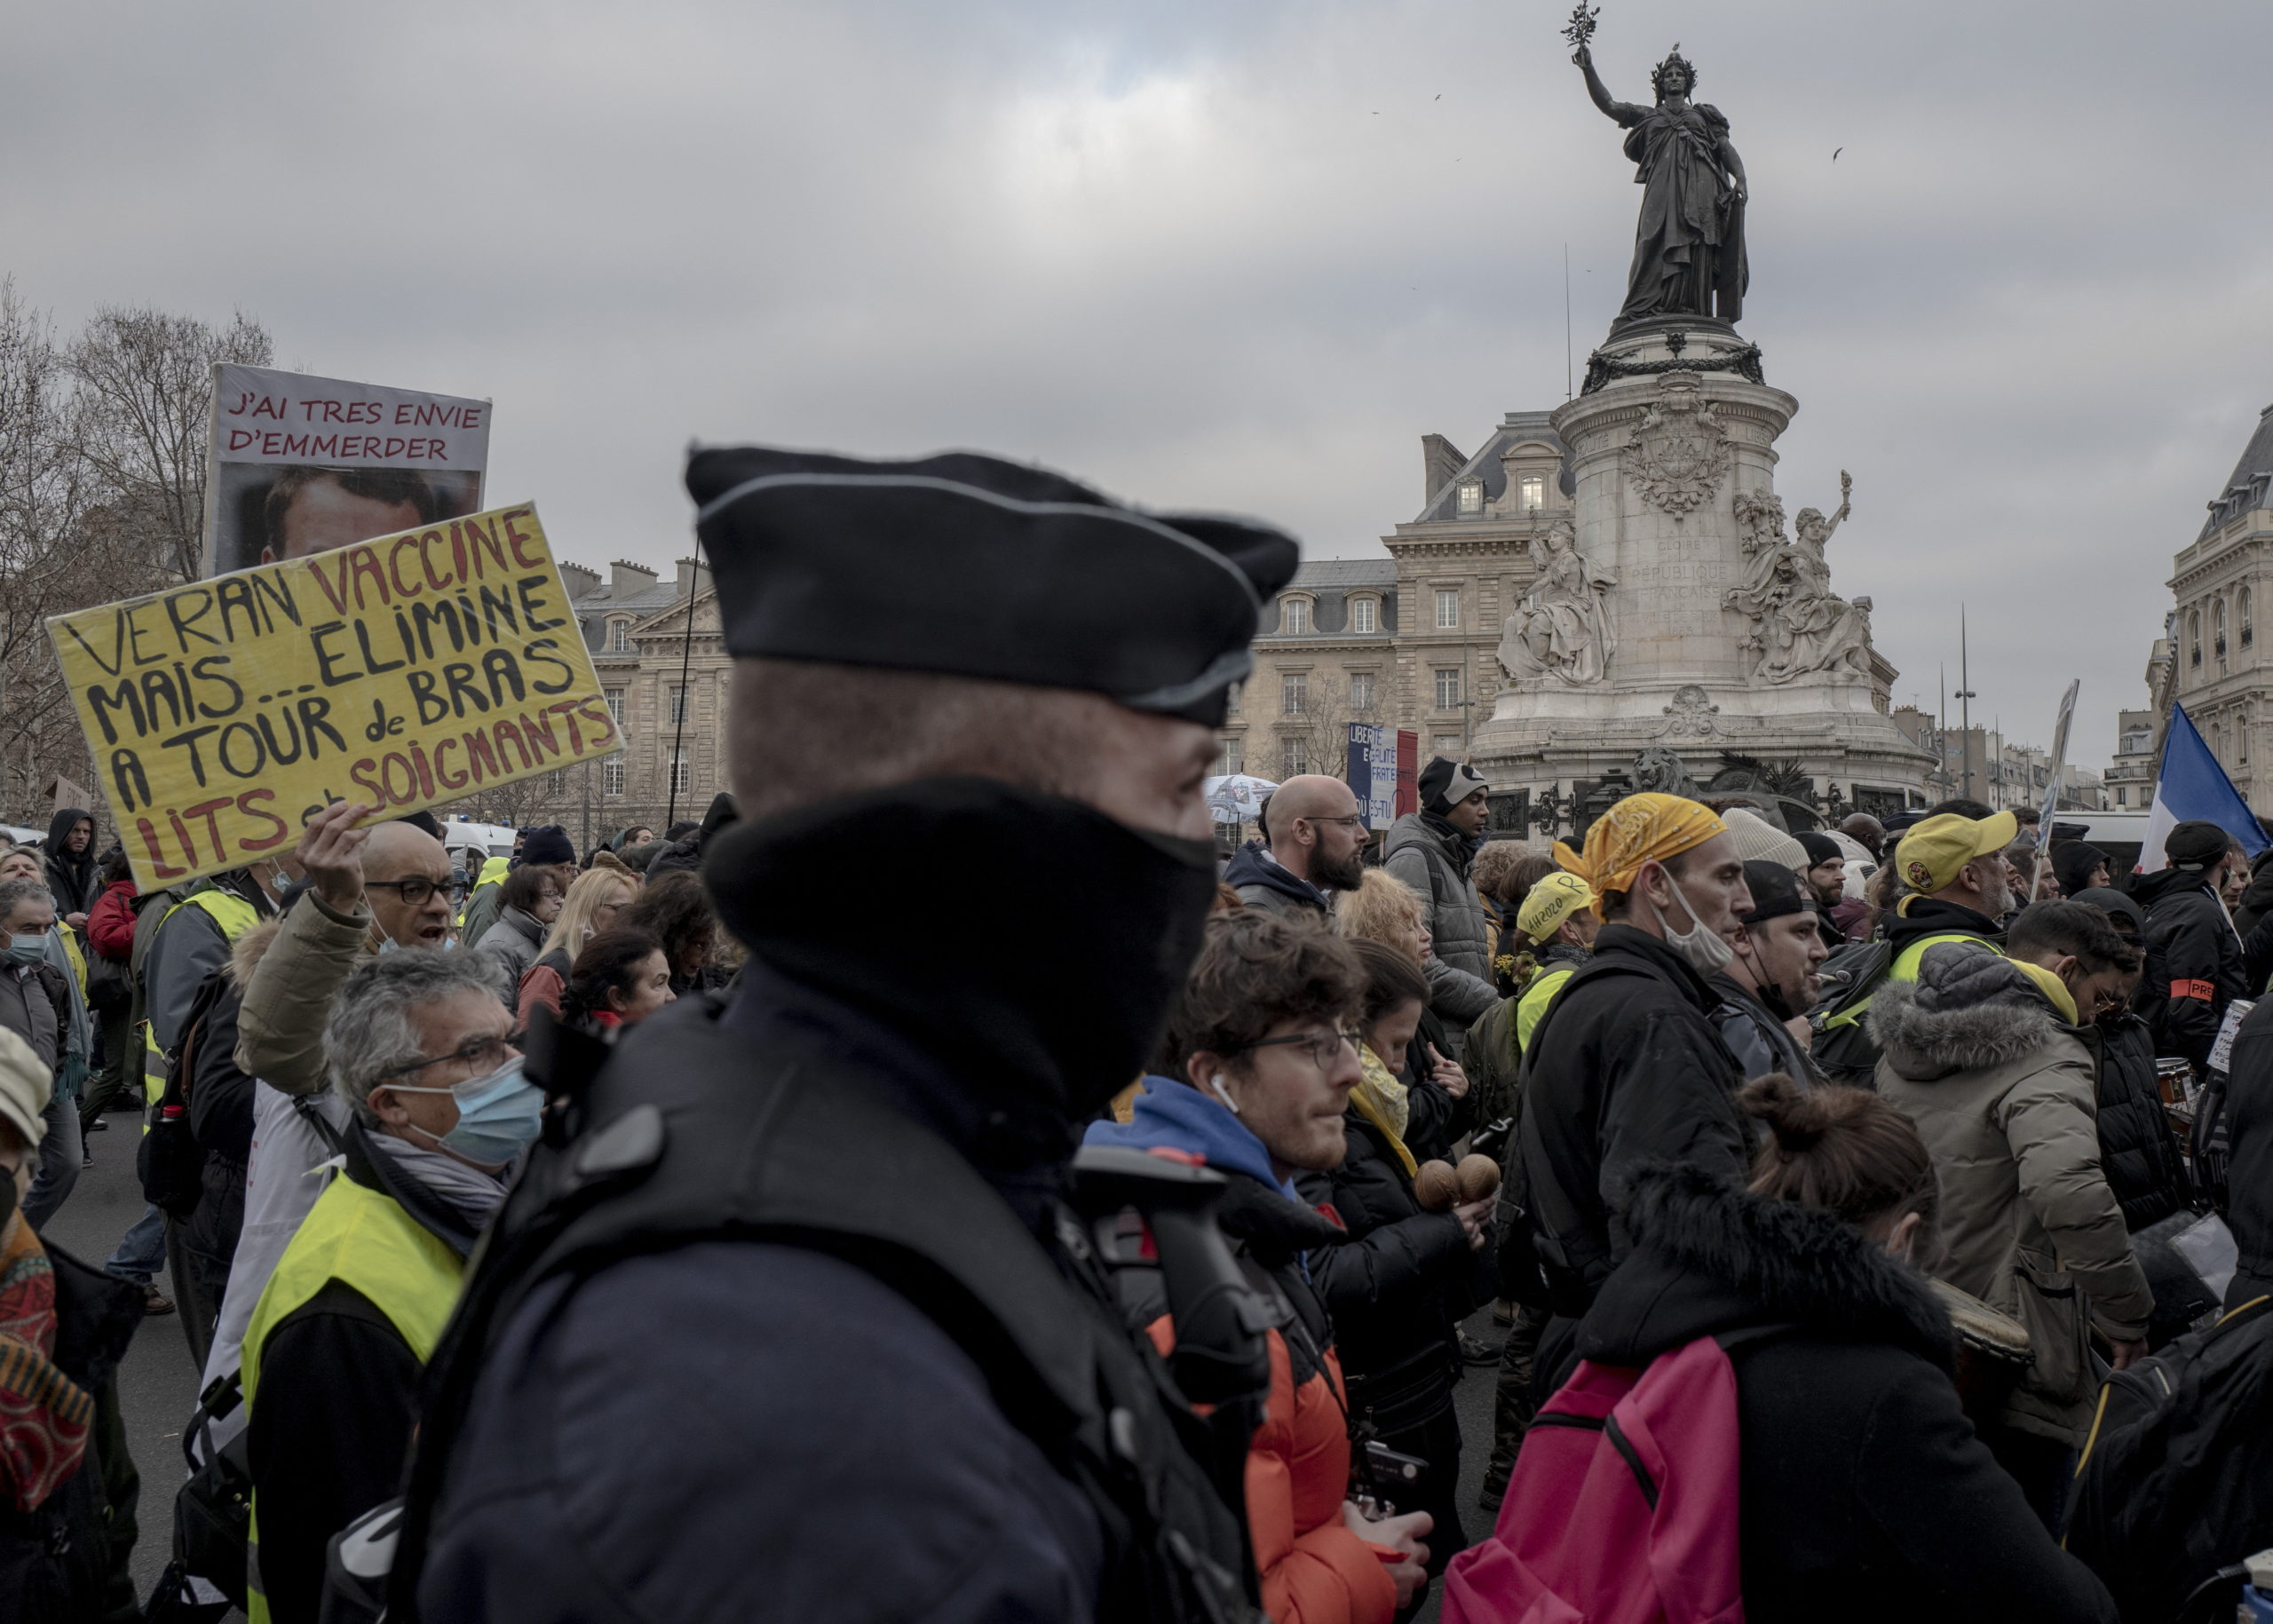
(590, 907)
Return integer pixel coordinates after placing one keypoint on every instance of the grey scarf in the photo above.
(472, 1193)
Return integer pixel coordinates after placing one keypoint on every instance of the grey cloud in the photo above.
(1173, 250)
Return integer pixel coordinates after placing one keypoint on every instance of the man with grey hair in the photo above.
(422, 1052)
(815, 1260)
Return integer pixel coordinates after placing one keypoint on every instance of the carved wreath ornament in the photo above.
(1678, 453)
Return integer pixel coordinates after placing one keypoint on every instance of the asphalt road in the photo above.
(157, 1385)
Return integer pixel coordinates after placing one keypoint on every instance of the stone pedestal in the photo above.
(1672, 446)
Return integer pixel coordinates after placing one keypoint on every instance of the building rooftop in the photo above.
(1346, 572)
(1514, 429)
(2251, 488)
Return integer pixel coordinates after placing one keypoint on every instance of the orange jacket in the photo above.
(1314, 1570)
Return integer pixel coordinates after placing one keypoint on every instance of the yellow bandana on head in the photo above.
(1639, 829)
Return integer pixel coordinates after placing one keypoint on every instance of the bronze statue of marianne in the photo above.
(1689, 246)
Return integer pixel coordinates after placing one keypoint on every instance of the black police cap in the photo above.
(967, 566)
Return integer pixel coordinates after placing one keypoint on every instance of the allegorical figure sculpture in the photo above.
(1689, 255)
(1564, 629)
(1799, 624)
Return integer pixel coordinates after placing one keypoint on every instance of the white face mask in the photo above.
(1706, 951)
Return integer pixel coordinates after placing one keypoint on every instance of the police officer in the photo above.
(796, 1325)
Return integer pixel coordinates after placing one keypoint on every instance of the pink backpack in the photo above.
(1622, 1508)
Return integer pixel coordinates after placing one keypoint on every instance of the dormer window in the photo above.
(1298, 617)
(1534, 489)
(619, 636)
(1365, 616)
(1470, 498)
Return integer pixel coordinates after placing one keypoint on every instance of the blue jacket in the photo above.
(820, 1450)
(1172, 1115)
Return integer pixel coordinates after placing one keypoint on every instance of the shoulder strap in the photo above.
(316, 1119)
(1592, 971)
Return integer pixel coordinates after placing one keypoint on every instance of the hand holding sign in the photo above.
(331, 850)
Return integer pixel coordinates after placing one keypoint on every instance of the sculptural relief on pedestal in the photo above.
(1799, 624)
(1677, 455)
(1564, 629)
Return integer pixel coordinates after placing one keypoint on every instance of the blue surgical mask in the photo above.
(26, 949)
(498, 1114)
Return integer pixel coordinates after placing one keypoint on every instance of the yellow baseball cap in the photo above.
(1932, 852)
(1548, 903)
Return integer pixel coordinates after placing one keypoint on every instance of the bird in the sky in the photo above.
(1835, 152)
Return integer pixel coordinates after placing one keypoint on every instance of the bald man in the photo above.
(390, 883)
(1316, 834)
(1866, 831)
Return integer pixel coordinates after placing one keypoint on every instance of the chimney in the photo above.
(1440, 460)
(625, 579)
(580, 583)
(693, 578)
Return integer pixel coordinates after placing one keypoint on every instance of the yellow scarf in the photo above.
(1382, 1100)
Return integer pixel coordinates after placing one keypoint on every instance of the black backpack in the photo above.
(1843, 1047)
(2176, 1482)
(169, 1162)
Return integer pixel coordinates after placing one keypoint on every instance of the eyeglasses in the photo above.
(1323, 1047)
(415, 892)
(485, 1055)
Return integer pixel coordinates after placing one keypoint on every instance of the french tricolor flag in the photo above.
(2191, 784)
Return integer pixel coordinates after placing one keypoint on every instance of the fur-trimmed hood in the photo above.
(246, 953)
(1709, 1259)
(1969, 1009)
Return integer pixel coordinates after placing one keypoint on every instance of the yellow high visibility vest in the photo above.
(1905, 968)
(232, 916)
(1536, 997)
(493, 873)
(361, 1239)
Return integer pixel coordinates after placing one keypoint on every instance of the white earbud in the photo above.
(1223, 1093)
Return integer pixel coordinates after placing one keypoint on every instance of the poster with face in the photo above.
(302, 464)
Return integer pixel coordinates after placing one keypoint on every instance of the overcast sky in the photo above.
(1234, 256)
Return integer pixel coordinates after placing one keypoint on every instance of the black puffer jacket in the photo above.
(2136, 1150)
(1397, 1289)
(1626, 1068)
(1865, 1494)
(2249, 1127)
(65, 1562)
(2194, 964)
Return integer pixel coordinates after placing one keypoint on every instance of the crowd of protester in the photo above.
(694, 1229)
(330, 1007)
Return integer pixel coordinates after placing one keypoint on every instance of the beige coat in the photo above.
(2004, 1094)
(279, 1028)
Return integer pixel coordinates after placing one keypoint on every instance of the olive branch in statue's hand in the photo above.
(1579, 30)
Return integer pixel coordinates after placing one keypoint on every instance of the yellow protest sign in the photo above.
(407, 670)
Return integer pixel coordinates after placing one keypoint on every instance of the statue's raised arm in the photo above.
(1625, 112)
